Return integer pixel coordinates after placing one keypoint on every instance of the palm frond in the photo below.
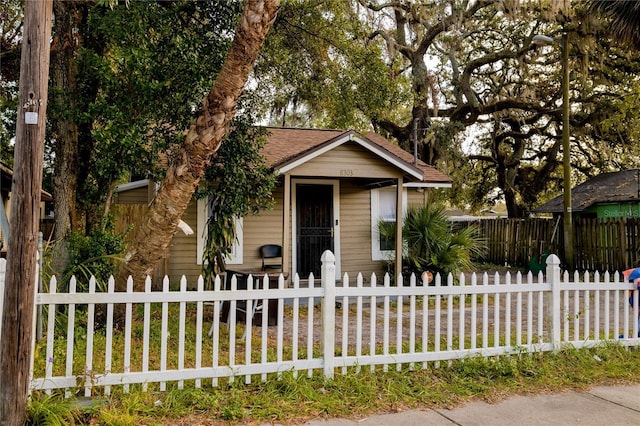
(624, 16)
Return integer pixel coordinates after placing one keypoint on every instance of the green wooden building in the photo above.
(606, 196)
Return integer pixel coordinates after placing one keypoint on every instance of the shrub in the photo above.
(430, 243)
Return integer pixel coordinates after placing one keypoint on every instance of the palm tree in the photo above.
(624, 16)
(430, 244)
(151, 238)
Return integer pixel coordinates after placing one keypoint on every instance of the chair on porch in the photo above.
(269, 252)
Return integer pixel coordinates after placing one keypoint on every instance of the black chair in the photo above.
(271, 251)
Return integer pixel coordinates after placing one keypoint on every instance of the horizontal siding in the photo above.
(355, 237)
(182, 251)
(133, 196)
(264, 228)
(416, 196)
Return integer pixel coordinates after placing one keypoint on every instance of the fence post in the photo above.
(39, 285)
(553, 276)
(328, 278)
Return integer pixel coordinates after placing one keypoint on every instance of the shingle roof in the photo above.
(285, 145)
(615, 187)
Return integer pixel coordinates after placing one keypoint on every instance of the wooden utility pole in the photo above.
(17, 316)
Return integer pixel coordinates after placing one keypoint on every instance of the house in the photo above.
(608, 195)
(46, 222)
(333, 188)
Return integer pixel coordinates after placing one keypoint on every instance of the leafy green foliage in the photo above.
(312, 72)
(46, 409)
(11, 23)
(92, 255)
(239, 183)
(431, 244)
(141, 73)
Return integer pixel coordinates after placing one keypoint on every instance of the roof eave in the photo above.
(350, 136)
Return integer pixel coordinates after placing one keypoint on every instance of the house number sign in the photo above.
(346, 172)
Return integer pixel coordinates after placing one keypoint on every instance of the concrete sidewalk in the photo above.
(602, 405)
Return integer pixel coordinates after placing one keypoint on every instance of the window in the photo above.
(235, 257)
(383, 208)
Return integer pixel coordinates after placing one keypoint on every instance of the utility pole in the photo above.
(20, 280)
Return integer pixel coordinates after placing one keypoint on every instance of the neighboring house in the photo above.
(334, 186)
(609, 195)
(46, 222)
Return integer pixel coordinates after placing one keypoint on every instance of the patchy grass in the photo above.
(290, 399)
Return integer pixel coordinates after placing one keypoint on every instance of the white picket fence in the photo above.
(324, 326)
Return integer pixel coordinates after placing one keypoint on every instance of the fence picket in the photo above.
(474, 314)
(311, 308)
(385, 319)
(485, 311)
(128, 324)
(214, 331)
(399, 309)
(425, 320)
(596, 310)
(437, 309)
(358, 321)
(265, 316)
(507, 311)
(345, 321)
(108, 350)
(295, 327)
(51, 323)
(231, 323)
(373, 321)
(88, 369)
(496, 312)
(182, 329)
(279, 324)
(71, 326)
(412, 319)
(461, 316)
(199, 320)
(146, 330)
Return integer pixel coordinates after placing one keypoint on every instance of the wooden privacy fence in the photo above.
(515, 241)
(600, 244)
(173, 337)
(607, 244)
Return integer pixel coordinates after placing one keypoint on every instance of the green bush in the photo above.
(430, 243)
(92, 255)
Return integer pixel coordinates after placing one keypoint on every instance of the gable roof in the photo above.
(287, 148)
(606, 188)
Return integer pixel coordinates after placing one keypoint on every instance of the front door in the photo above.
(314, 227)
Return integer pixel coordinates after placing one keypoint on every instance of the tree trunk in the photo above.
(151, 238)
(63, 75)
(19, 294)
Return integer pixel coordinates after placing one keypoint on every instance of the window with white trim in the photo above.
(383, 208)
(235, 257)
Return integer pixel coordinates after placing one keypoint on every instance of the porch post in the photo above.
(399, 223)
(286, 225)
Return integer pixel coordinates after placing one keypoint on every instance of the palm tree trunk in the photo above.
(151, 238)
